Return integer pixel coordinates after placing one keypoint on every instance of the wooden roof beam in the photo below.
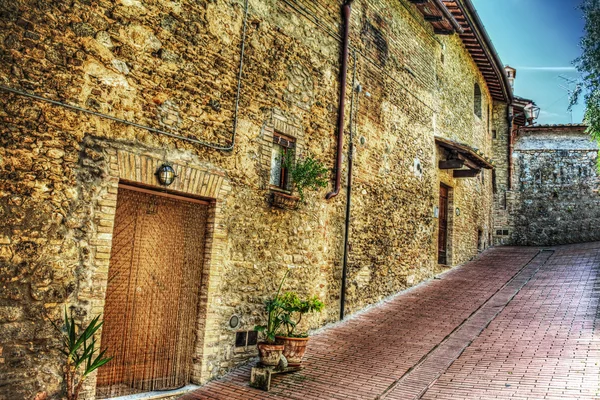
(433, 18)
(465, 173)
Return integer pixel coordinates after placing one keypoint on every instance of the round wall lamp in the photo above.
(457, 211)
(235, 321)
(166, 174)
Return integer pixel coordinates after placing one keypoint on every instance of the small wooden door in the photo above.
(443, 225)
(151, 308)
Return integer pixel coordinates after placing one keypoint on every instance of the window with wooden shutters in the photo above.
(283, 146)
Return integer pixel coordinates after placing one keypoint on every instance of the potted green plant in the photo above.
(269, 351)
(293, 309)
(304, 173)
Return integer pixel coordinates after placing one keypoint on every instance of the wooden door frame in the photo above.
(135, 164)
(197, 311)
(163, 193)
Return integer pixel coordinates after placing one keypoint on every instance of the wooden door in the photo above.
(154, 279)
(443, 226)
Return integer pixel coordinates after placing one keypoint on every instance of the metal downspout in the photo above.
(509, 147)
(348, 197)
(342, 103)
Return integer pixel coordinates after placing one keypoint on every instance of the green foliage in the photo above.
(284, 313)
(292, 307)
(305, 172)
(79, 349)
(274, 310)
(589, 66)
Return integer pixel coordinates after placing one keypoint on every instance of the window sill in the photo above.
(277, 189)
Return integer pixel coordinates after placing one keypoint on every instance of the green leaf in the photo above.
(97, 363)
(588, 64)
(79, 349)
(305, 172)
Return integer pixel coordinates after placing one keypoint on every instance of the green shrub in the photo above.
(305, 173)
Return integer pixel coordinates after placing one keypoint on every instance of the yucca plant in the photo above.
(274, 312)
(79, 348)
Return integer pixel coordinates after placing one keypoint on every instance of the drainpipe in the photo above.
(348, 194)
(509, 146)
(342, 103)
(346, 233)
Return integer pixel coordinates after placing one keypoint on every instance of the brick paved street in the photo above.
(515, 323)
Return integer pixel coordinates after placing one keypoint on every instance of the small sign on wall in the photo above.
(436, 212)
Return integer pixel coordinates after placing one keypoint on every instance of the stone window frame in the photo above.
(288, 144)
(477, 100)
(278, 123)
(137, 164)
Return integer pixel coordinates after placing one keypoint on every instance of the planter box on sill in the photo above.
(284, 200)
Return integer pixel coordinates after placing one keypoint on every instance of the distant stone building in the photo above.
(97, 96)
(510, 120)
(554, 196)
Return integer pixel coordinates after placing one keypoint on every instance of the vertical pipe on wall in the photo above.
(510, 116)
(348, 197)
(342, 103)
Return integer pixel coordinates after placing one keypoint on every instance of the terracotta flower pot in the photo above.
(294, 349)
(269, 354)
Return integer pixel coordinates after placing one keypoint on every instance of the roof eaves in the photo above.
(481, 49)
(488, 46)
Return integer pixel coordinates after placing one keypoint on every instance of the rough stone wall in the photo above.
(457, 120)
(502, 218)
(556, 197)
(173, 66)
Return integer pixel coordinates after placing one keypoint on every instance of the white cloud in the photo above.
(558, 69)
(544, 113)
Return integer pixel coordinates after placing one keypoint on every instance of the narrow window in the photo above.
(283, 147)
(477, 100)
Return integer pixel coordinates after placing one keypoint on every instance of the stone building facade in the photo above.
(554, 197)
(508, 121)
(123, 87)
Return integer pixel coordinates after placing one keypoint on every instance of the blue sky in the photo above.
(540, 38)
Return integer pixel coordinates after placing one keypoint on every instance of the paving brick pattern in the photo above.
(413, 384)
(515, 322)
(544, 345)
